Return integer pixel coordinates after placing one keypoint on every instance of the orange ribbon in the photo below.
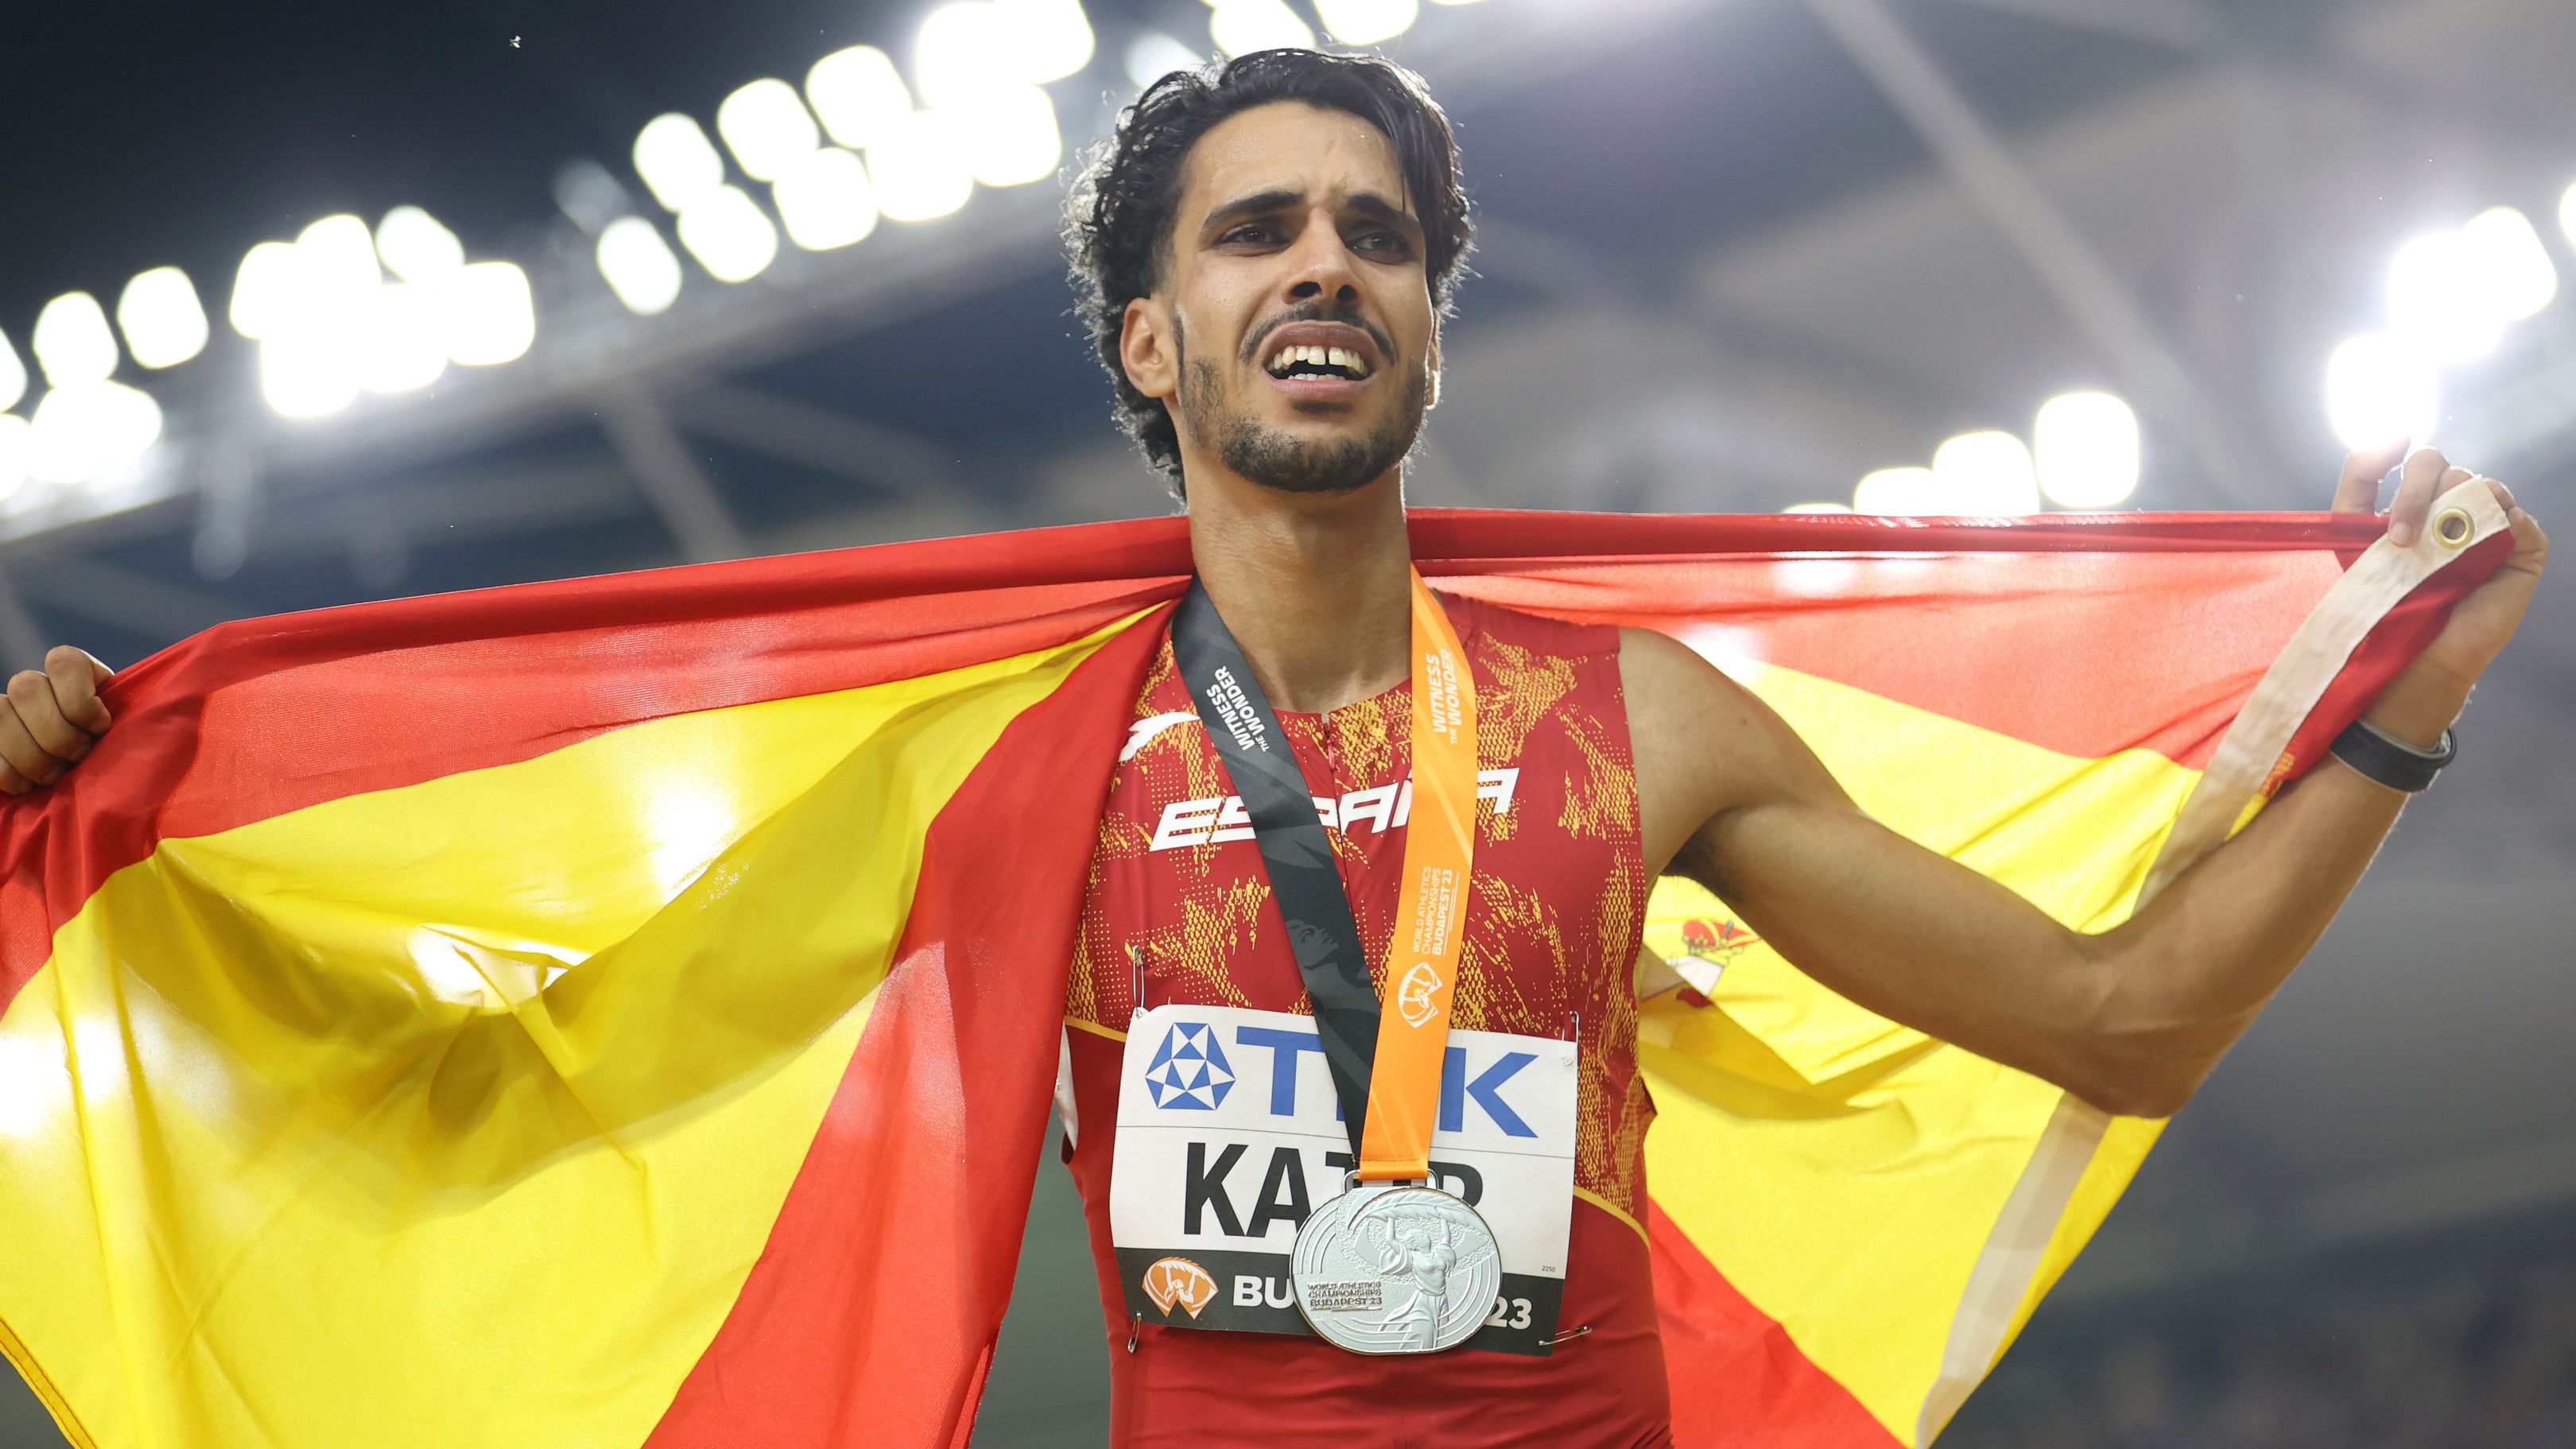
(1431, 910)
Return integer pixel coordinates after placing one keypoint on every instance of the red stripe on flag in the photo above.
(1736, 1377)
(870, 1317)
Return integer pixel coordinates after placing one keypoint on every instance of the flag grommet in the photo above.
(2454, 527)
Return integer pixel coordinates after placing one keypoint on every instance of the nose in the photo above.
(1321, 265)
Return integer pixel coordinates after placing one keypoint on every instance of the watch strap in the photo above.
(2382, 758)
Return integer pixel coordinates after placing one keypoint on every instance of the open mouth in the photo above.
(1309, 360)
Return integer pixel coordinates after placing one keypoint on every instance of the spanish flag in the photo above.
(622, 1012)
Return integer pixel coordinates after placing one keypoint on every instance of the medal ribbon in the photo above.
(1385, 1064)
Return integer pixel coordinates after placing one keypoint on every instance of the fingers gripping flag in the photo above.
(622, 1012)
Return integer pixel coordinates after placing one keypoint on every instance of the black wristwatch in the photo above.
(2381, 757)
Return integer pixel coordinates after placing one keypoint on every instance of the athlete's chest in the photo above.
(1180, 907)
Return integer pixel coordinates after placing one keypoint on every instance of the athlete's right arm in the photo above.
(50, 718)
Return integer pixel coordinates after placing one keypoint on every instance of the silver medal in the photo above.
(1385, 1268)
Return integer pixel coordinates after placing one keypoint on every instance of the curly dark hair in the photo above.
(1118, 218)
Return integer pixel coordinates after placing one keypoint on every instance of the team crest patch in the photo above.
(1190, 1070)
(1179, 1283)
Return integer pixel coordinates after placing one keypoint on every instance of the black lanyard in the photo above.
(1295, 852)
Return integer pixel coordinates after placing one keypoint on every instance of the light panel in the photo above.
(2380, 389)
(639, 266)
(415, 247)
(400, 341)
(1899, 491)
(1010, 136)
(1366, 22)
(13, 374)
(163, 322)
(2436, 301)
(1240, 27)
(729, 235)
(1985, 474)
(1154, 55)
(15, 448)
(961, 51)
(677, 161)
(2086, 448)
(857, 94)
(305, 375)
(2508, 263)
(487, 314)
(767, 128)
(86, 429)
(825, 202)
(263, 290)
(921, 169)
(72, 343)
(1049, 39)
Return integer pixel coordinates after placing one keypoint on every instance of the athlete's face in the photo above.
(1293, 335)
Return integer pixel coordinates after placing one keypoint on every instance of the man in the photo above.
(1266, 257)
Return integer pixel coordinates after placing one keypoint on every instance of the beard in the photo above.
(1274, 458)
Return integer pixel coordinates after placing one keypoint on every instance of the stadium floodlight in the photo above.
(82, 430)
(1366, 22)
(639, 266)
(400, 343)
(2567, 214)
(2086, 445)
(14, 450)
(1010, 136)
(2436, 299)
(336, 260)
(487, 313)
(1154, 55)
(677, 161)
(305, 374)
(921, 170)
(1049, 39)
(263, 291)
(13, 374)
(415, 247)
(1241, 26)
(1986, 473)
(858, 95)
(729, 235)
(766, 125)
(2380, 389)
(960, 50)
(1895, 490)
(72, 343)
(824, 200)
(2508, 263)
(163, 322)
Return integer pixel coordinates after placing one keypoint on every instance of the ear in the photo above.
(1146, 348)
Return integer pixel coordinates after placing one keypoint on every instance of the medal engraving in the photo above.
(1388, 1269)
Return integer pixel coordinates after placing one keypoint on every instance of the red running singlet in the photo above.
(1553, 929)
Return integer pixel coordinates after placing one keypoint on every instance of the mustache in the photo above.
(1320, 312)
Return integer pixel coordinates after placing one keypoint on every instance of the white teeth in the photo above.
(1288, 357)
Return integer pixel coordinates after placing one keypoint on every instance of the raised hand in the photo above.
(2422, 700)
(50, 718)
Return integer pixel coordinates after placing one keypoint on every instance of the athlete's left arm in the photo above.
(2130, 1020)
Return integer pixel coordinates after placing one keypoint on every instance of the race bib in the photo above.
(1229, 1134)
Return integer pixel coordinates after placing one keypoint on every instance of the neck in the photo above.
(1316, 590)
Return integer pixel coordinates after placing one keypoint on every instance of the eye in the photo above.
(1252, 233)
(1380, 240)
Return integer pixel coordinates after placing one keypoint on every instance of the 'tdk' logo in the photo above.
(1189, 1069)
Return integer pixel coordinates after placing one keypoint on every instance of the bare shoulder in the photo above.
(1703, 743)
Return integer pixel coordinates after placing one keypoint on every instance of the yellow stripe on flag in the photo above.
(1843, 1172)
(465, 1107)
